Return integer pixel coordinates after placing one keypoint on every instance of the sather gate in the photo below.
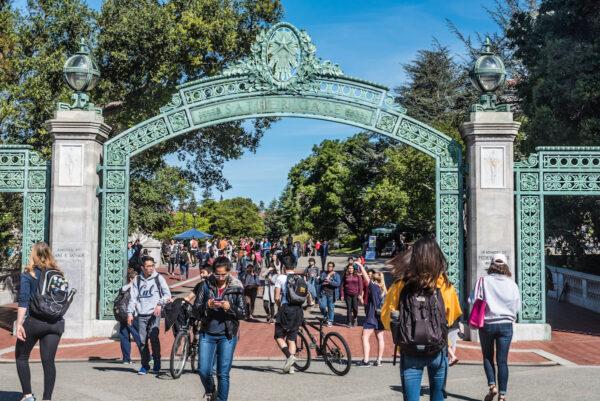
(282, 77)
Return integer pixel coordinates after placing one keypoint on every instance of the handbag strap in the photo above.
(481, 294)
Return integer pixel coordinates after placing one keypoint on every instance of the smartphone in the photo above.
(217, 302)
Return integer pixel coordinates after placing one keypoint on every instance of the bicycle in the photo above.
(185, 345)
(331, 346)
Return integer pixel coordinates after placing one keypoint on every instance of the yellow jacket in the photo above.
(449, 295)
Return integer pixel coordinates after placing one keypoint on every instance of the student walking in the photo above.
(373, 324)
(351, 292)
(329, 284)
(173, 257)
(311, 274)
(269, 293)
(220, 302)
(250, 280)
(127, 332)
(149, 293)
(324, 252)
(421, 296)
(32, 327)
(290, 314)
(185, 260)
(503, 301)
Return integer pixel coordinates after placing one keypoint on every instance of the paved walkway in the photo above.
(576, 337)
(263, 380)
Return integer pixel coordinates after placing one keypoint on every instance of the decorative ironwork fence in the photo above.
(549, 171)
(282, 77)
(23, 170)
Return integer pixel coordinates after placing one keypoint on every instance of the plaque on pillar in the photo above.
(70, 169)
(492, 167)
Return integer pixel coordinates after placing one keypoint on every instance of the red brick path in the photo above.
(575, 337)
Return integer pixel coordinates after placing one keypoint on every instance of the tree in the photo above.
(144, 50)
(232, 218)
(275, 226)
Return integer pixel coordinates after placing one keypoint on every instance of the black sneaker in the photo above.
(364, 364)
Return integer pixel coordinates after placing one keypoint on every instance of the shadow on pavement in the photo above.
(275, 370)
(10, 396)
(425, 392)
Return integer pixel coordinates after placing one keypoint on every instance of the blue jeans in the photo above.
(500, 336)
(411, 374)
(212, 346)
(327, 305)
(184, 270)
(124, 336)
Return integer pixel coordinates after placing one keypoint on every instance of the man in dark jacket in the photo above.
(324, 253)
(220, 303)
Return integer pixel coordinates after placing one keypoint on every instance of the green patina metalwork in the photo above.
(282, 77)
(550, 171)
(22, 170)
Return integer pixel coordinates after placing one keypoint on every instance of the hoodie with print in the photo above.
(145, 294)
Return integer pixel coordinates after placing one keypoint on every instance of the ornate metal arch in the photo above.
(22, 170)
(550, 171)
(282, 77)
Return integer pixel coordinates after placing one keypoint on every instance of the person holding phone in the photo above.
(220, 302)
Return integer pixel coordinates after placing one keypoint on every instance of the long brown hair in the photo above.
(41, 256)
(427, 265)
(400, 264)
(499, 268)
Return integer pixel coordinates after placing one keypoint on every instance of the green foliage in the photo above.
(181, 222)
(275, 220)
(232, 218)
(144, 49)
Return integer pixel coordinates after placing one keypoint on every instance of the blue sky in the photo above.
(369, 39)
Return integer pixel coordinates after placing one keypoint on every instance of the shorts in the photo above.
(288, 321)
(371, 326)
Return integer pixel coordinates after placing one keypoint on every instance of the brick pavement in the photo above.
(576, 338)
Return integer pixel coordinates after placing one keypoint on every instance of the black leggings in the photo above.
(351, 307)
(49, 335)
(269, 308)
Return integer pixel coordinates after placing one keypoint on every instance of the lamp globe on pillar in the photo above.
(487, 75)
(81, 73)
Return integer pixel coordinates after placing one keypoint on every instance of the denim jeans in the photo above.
(411, 374)
(327, 306)
(222, 349)
(500, 336)
(125, 333)
(184, 270)
(148, 327)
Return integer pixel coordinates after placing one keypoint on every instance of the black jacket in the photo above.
(234, 294)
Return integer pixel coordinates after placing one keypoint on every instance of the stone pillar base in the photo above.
(521, 332)
(97, 328)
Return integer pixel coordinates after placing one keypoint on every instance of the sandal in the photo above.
(491, 394)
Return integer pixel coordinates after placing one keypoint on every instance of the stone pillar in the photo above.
(490, 136)
(74, 212)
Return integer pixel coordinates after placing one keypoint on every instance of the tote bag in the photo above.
(477, 317)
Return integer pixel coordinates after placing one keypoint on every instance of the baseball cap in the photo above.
(500, 257)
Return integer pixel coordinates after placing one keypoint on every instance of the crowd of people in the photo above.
(421, 309)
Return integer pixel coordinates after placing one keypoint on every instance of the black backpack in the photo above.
(120, 305)
(297, 290)
(52, 297)
(422, 327)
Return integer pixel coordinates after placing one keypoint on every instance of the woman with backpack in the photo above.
(502, 302)
(185, 260)
(351, 291)
(422, 294)
(377, 293)
(33, 324)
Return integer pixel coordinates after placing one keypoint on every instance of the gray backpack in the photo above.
(422, 328)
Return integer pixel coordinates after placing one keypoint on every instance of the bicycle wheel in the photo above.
(303, 356)
(337, 353)
(179, 354)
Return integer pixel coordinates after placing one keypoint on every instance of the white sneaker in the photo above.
(288, 363)
(292, 371)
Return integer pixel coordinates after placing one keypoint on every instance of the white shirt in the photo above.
(281, 283)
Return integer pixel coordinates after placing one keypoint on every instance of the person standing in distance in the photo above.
(220, 302)
(289, 317)
(324, 254)
(149, 293)
(32, 329)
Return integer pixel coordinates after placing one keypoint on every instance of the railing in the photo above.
(575, 288)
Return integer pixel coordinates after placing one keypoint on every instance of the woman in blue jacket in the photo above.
(329, 285)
